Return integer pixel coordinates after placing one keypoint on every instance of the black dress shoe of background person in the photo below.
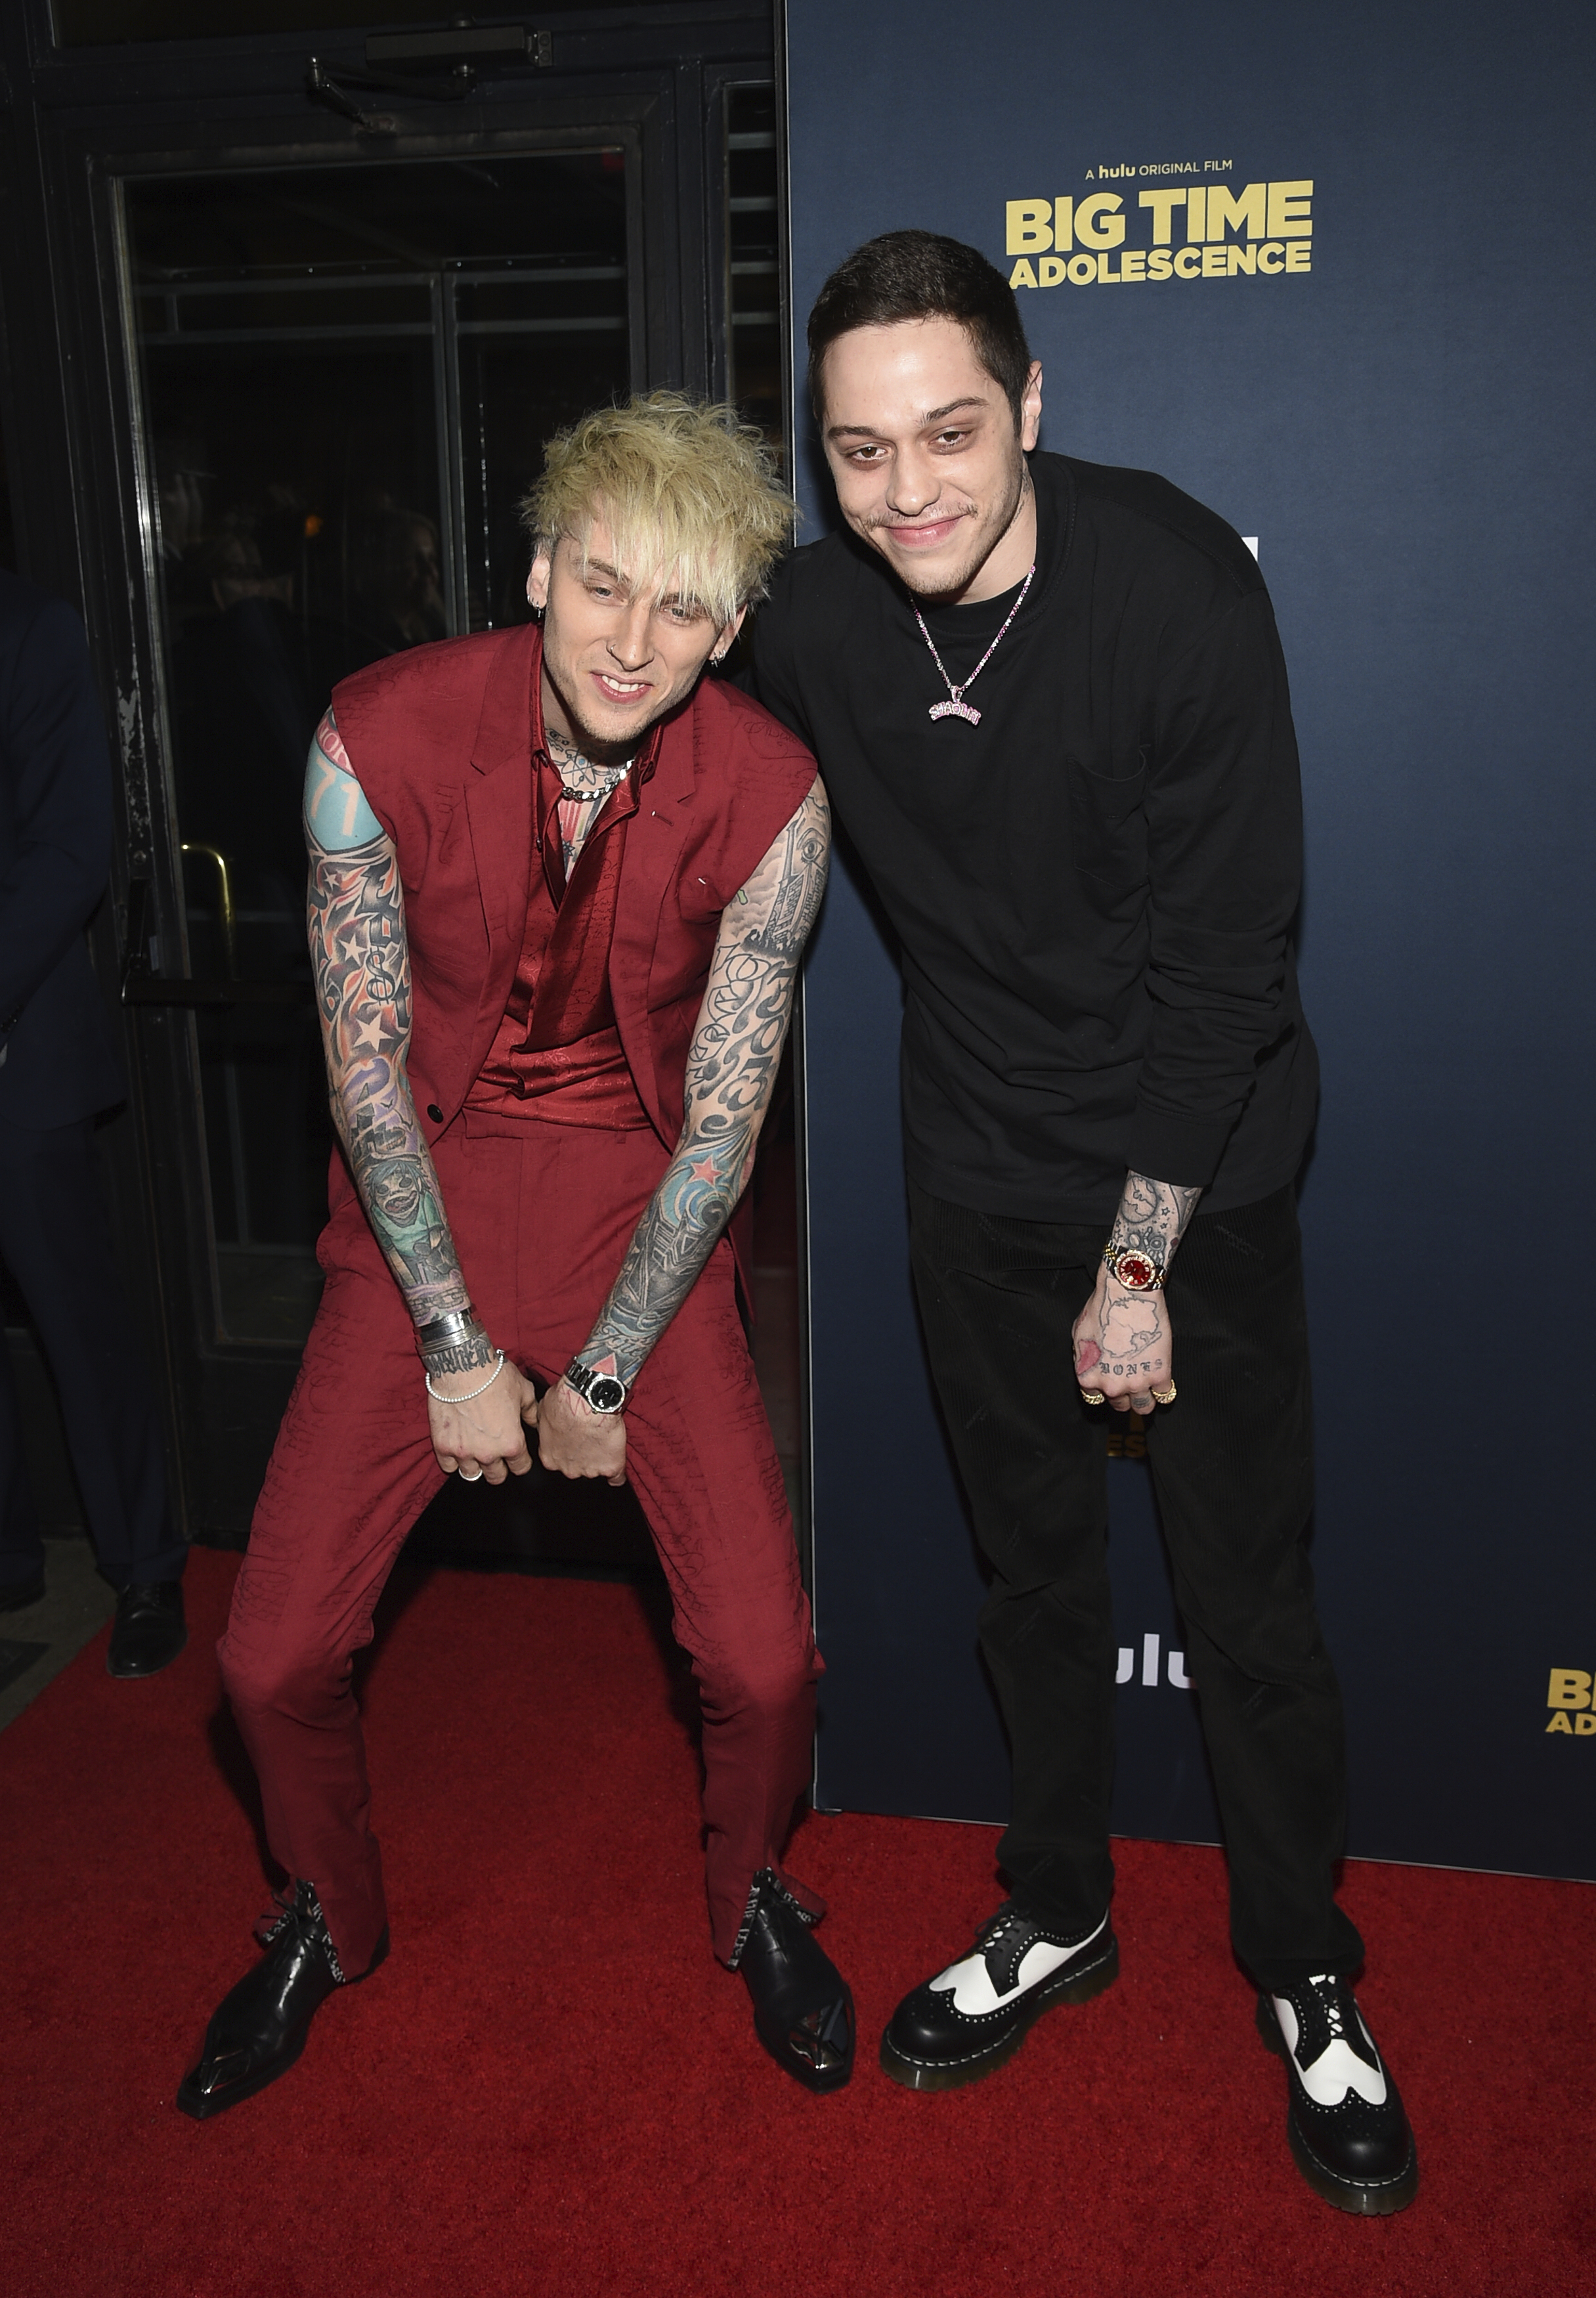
(258, 2028)
(1345, 2119)
(18, 1594)
(972, 2017)
(803, 2009)
(149, 1630)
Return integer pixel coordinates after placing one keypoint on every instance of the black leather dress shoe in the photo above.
(259, 2030)
(1345, 2119)
(18, 1594)
(803, 2010)
(149, 1630)
(973, 2016)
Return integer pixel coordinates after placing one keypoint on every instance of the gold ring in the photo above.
(1163, 1395)
(1093, 1396)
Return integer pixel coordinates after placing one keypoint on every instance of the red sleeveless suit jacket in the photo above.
(440, 739)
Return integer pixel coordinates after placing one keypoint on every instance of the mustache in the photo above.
(944, 510)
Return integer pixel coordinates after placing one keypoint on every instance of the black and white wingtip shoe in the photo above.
(973, 2016)
(1345, 2119)
(803, 2008)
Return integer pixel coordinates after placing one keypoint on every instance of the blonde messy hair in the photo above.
(687, 490)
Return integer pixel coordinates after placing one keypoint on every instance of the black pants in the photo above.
(55, 1237)
(1232, 1464)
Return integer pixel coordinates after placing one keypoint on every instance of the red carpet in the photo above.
(553, 2090)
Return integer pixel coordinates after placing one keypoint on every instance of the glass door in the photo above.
(344, 378)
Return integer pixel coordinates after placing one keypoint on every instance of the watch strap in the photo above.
(1137, 1268)
(584, 1379)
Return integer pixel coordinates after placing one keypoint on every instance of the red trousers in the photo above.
(542, 1215)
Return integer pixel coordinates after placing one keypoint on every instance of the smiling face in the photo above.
(929, 467)
(616, 656)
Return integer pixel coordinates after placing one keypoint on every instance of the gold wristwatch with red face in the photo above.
(1138, 1270)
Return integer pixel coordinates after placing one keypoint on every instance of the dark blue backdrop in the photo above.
(1406, 427)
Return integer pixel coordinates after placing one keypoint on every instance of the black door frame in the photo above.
(79, 123)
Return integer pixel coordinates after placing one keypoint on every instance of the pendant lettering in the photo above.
(954, 709)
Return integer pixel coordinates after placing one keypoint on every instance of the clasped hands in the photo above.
(485, 1437)
(1123, 1350)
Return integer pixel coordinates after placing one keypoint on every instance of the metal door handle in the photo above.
(224, 894)
(143, 987)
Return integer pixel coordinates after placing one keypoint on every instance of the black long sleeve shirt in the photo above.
(1093, 888)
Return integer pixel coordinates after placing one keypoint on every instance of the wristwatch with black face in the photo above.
(1136, 1271)
(602, 1390)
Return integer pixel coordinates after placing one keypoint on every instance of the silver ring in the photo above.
(465, 1479)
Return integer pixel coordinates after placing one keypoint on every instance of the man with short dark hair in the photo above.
(1049, 702)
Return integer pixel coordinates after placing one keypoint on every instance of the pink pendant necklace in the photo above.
(955, 706)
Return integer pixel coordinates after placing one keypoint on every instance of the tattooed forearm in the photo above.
(731, 1071)
(1124, 1331)
(361, 963)
(1152, 1217)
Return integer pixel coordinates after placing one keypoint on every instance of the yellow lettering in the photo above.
(1050, 271)
(1133, 264)
(1561, 1723)
(1186, 262)
(1083, 268)
(1110, 231)
(1275, 248)
(1158, 263)
(1568, 1687)
(1064, 225)
(1240, 259)
(1299, 256)
(1225, 209)
(1584, 1725)
(1107, 278)
(1196, 216)
(1289, 206)
(1022, 275)
(1030, 226)
(1163, 205)
(1213, 263)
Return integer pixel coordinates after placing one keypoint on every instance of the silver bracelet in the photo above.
(451, 1326)
(470, 1392)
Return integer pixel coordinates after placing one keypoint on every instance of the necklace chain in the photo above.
(612, 776)
(955, 707)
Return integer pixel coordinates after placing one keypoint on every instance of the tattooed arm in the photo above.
(1123, 1346)
(731, 1069)
(360, 960)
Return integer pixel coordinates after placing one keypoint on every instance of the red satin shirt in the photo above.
(556, 1054)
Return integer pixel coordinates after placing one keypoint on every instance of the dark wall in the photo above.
(1403, 426)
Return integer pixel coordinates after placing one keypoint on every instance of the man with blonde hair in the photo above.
(560, 884)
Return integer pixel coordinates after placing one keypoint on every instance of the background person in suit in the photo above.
(58, 1068)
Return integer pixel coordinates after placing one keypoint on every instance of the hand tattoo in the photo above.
(1132, 1339)
(360, 960)
(1152, 1217)
(731, 1070)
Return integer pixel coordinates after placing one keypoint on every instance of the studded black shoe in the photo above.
(1345, 2119)
(803, 2009)
(973, 2016)
(258, 2028)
